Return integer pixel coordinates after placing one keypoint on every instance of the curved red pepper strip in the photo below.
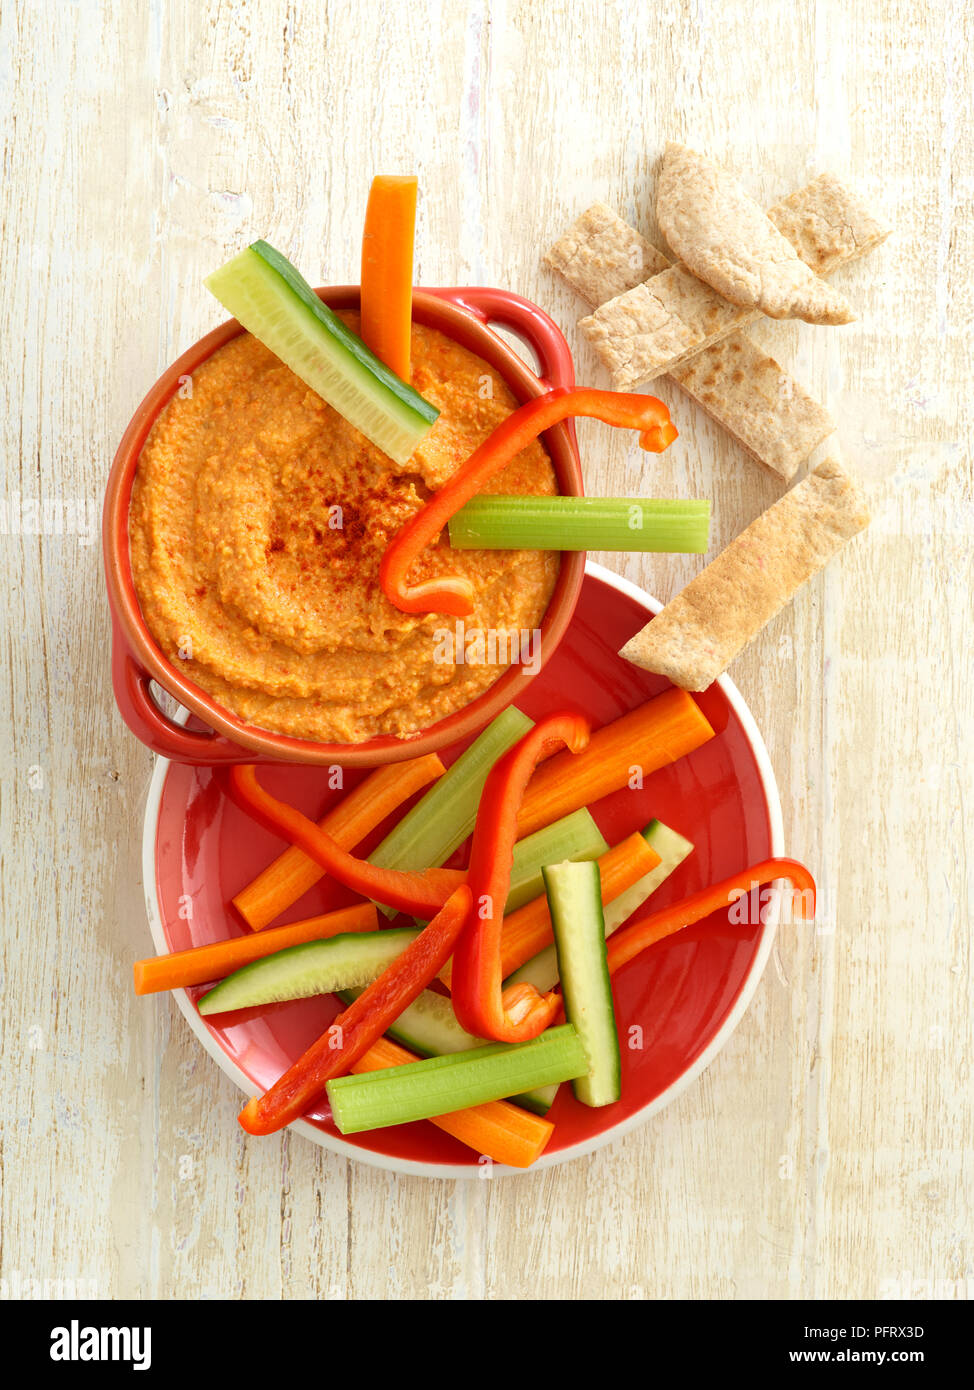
(354, 1031)
(452, 593)
(629, 941)
(480, 1003)
(422, 894)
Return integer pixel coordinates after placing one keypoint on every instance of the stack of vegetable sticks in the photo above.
(556, 827)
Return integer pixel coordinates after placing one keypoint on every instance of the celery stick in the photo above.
(582, 523)
(441, 821)
(438, 1085)
(542, 970)
(575, 837)
(428, 1026)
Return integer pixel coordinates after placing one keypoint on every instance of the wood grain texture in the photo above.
(828, 1149)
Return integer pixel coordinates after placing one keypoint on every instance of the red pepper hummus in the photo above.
(258, 520)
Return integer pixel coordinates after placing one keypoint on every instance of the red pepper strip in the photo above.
(362, 1023)
(422, 894)
(453, 593)
(626, 943)
(480, 1003)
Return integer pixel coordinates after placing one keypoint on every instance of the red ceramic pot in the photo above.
(465, 316)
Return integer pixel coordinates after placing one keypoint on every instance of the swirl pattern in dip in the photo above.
(258, 520)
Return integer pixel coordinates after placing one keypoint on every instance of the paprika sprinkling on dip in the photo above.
(259, 518)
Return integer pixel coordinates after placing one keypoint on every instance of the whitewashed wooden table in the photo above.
(828, 1149)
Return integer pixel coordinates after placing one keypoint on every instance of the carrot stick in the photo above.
(503, 1132)
(200, 964)
(293, 872)
(647, 738)
(387, 270)
(528, 930)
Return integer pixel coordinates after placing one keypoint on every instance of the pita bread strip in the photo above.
(716, 229)
(735, 382)
(601, 256)
(770, 415)
(699, 632)
(654, 327)
(828, 225)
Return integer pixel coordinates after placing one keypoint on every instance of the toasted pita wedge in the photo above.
(695, 637)
(745, 390)
(723, 236)
(735, 382)
(601, 256)
(827, 224)
(652, 328)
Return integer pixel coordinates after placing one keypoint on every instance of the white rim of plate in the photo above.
(410, 1167)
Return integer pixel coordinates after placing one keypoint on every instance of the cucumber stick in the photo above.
(317, 967)
(672, 849)
(542, 970)
(437, 1085)
(428, 1026)
(443, 818)
(575, 900)
(264, 292)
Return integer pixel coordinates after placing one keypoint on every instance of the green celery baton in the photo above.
(442, 819)
(264, 292)
(575, 901)
(542, 970)
(438, 1085)
(582, 523)
(575, 836)
(429, 1027)
(316, 967)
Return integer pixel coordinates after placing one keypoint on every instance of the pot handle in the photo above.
(531, 324)
(153, 727)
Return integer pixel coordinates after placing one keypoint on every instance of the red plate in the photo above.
(686, 994)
